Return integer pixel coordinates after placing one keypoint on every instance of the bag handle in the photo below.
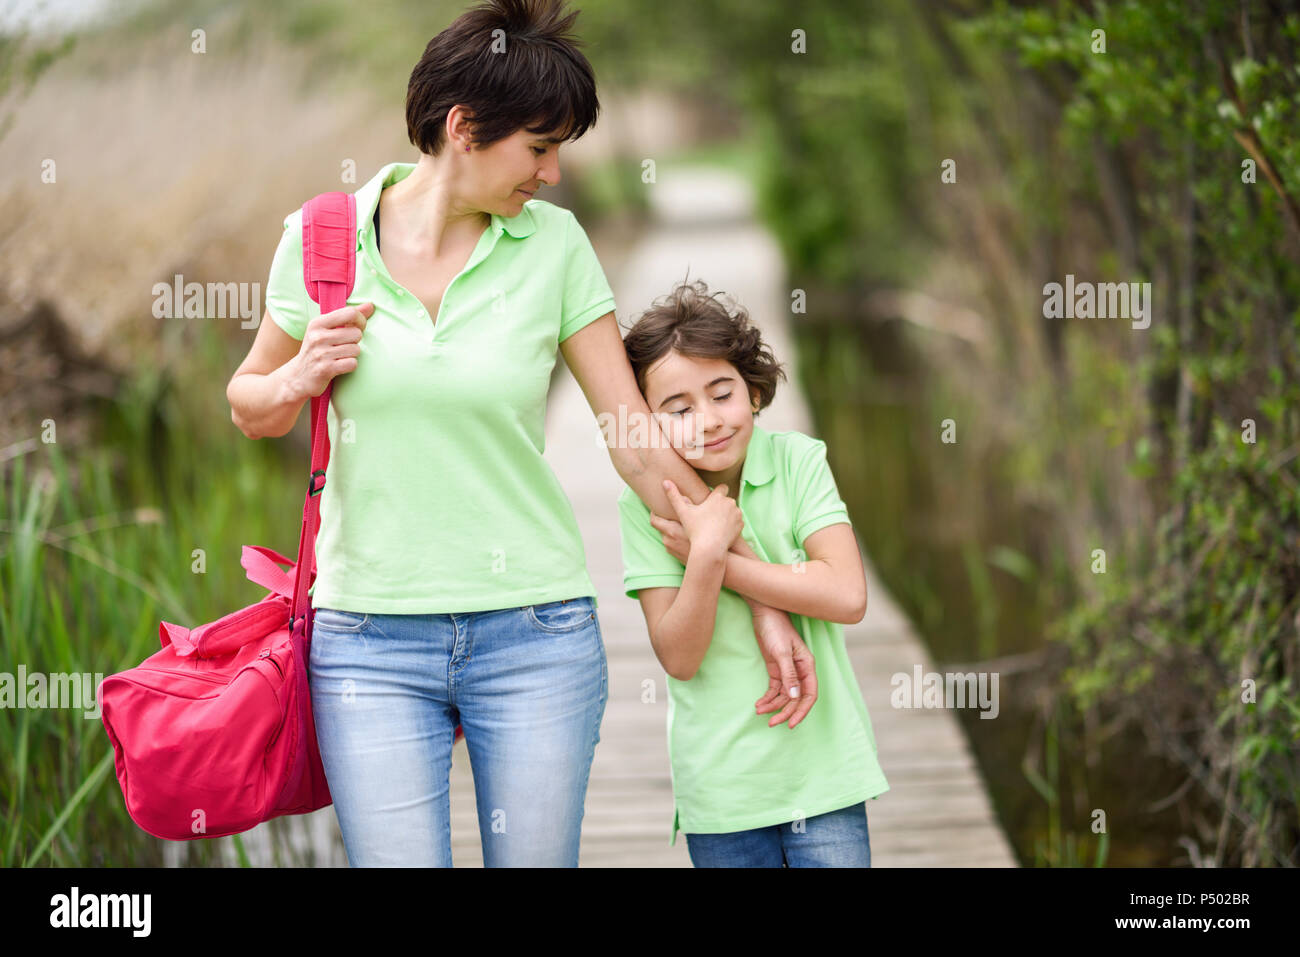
(329, 248)
(262, 567)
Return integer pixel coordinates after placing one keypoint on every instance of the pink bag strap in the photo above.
(329, 247)
(263, 567)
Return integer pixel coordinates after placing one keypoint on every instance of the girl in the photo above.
(747, 792)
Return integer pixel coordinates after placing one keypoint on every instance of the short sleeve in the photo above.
(646, 562)
(586, 295)
(286, 293)
(817, 502)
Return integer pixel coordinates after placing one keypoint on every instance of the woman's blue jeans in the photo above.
(835, 839)
(528, 686)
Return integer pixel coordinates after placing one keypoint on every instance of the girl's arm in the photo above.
(681, 634)
(830, 583)
(681, 620)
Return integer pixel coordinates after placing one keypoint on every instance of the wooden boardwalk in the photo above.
(937, 811)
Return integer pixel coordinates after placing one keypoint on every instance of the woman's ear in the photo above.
(460, 126)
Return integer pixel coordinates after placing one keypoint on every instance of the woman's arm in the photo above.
(263, 393)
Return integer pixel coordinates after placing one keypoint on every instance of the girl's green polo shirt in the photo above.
(437, 497)
(730, 771)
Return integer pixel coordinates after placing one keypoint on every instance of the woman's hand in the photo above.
(712, 525)
(330, 347)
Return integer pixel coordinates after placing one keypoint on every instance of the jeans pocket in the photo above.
(569, 614)
(337, 621)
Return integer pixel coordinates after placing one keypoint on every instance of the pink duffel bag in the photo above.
(213, 734)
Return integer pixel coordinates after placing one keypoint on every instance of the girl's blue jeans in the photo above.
(528, 686)
(835, 839)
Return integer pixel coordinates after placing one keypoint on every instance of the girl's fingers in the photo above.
(808, 687)
(805, 704)
(765, 702)
(784, 714)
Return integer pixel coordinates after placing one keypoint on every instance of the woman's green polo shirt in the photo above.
(730, 771)
(437, 497)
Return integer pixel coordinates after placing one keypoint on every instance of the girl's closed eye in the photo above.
(721, 398)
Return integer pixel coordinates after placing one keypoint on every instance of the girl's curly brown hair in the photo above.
(694, 323)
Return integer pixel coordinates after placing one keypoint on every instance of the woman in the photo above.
(451, 583)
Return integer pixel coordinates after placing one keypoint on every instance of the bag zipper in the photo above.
(266, 653)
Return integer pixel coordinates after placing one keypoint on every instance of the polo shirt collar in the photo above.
(759, 468)
(368, 200)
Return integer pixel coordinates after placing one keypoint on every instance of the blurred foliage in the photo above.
(1117, 155)
(22, 61)
(1183, 94)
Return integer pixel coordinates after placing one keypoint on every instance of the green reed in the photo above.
(99, 541)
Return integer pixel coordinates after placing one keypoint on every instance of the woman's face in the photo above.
(507, 173)
(704, 408)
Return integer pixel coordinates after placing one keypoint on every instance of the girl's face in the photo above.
(505, 175)
(704, 408)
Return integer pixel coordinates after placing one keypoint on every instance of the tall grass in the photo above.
(170, 161)
(1062, 846)
(99, 543)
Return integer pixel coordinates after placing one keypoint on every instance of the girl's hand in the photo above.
(674, 536)
(778, 645)
(713, 524)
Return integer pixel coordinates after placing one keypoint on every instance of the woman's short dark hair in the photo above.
(692, 322)
(530, 75)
